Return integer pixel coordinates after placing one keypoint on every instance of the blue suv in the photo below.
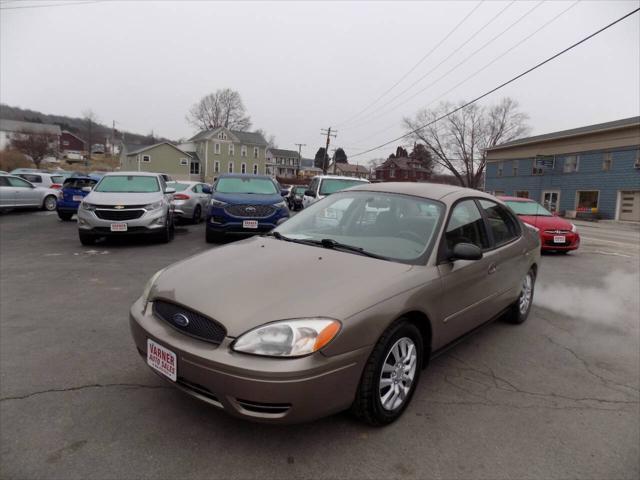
(72, 193)
(244, 204)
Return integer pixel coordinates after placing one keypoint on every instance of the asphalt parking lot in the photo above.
(557, 397)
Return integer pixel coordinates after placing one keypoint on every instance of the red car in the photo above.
(555, 232)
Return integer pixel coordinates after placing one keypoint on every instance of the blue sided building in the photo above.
(593, 170)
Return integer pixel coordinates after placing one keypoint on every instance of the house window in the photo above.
(515, 168)
(184, 161)
(255, 168)
(146, 158)
(498, 193)
(222, 136)
(500, 168)
(230, 168)
(243, 168)
(194, 168)
(243, 151)
(522, 194)
(636, 164)
(586, 201)
(536, 170)
(255, 152)
(571, 164)
(216, 148)
(231, 150)
(216, 167)
(607, 161)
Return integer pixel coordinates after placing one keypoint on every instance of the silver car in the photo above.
(47, 180)
(190, 200)
(127, 203)
(16, 192)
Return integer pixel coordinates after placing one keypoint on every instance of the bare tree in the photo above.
(459, 141)
(271, 139)
(36, 144)
(224, 108)
(90, 119)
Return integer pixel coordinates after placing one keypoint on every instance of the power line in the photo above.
(465, 60)
(52, 5)
(502, 85)
(427, 55)
(474, 35)
(473, 75)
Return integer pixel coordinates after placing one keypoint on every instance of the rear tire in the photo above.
(197, 215)
(65, 216)
(519, 311)
(87, 239)
(49, 203)
(378, 404)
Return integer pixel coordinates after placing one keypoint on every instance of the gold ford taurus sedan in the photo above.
(341, 306)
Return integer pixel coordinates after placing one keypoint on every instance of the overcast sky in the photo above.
(303, 66)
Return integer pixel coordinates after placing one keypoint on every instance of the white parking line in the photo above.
(598, 240)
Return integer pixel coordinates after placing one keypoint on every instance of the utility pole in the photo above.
(327, 132)
(299, 145)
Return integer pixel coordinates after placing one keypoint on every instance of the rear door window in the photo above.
(466, 226)
(504, 227)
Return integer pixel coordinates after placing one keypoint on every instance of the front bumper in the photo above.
(547, 241)
(272, 390)
(149, 223)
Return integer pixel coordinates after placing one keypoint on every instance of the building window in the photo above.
(230, 168)
(522, 194)
(194, 168)
(146, 158)
(587, 201)
(498, 193)
(637, 162)
(255, 152)
(184, 161)
(515, 168)
(216, 148)
(536, 170)
(243, 168)
(500, 168)
(255, 168)
(216, 167)
(222, 136)
(243, 151)
(571, 164)
(607, 161)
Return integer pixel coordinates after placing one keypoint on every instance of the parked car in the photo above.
(17, 171)
(381, 295)
(16, 192)
(191, 199)
(323, 185)
(127, 203)
(294, 198)
(47, 180)
(2, 172)
(556, 233)
(73, 191)
(244, 204)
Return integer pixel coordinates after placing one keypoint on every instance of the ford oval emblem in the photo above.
(249, 209)
(180, 320)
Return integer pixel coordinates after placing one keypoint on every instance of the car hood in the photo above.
(248, 198)
(546, 223)
(259, 280)
(109, 198)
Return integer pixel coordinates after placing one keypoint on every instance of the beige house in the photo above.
(162, 158)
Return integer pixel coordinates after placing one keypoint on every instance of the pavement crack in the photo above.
(83, 387)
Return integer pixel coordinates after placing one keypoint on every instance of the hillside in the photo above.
(78, 126)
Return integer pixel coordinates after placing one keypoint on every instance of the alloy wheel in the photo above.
(526, 293)
(398, 373)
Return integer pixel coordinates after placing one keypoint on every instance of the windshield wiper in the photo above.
(279, 236)
(332, 244)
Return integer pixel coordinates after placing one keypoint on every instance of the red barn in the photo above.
(71, 143)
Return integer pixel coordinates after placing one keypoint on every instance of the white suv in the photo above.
(324, 185)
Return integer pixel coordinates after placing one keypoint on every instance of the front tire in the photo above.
(390, 376)
(167, 232)
(50, 203)
(86, 239)
(519, 311)
(65, 216)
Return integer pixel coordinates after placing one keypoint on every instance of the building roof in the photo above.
(252, 138)
(348, 167)
(130, 147)
(573, 132)
(278, 152)
(149, 147)
(17, 126)
(73, 135)
(402, 163)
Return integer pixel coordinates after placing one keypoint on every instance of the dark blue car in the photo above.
(244, 204)
(71, 194)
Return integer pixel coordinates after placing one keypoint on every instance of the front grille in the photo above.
(558, 232)
(250, 211)
(551, 243)
(119, 215)
(197, 325)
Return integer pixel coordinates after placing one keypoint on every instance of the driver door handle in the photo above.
(492, 268)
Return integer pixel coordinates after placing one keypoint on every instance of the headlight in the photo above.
(154, 205)
(87, 206)
(288, 338)
(217, 203)
(281, 204)
(149, 285)
(573, 228)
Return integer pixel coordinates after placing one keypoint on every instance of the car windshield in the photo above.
(393, 226)
(300, 190)
(333, 185)
(179, 187)
(528, 208)
(128, 184)
(260, 186)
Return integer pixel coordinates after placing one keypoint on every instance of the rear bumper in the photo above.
(71, 207)
(262, 389)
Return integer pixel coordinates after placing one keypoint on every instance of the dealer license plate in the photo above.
(118, 227)
(162, 360)
(78, 198)
(250, 224)
(559, 239)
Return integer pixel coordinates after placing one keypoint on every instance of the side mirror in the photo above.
(87, 189)
(169, 190)
(466, 251)
(284, 192)
(310, 193)
(206, 190)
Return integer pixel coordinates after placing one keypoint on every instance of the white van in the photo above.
(324, 185)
